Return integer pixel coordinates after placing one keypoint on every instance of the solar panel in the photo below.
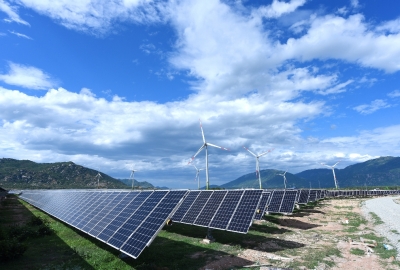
(313, 195)
(226, 210)
(262, 206)
(275, 201)
(121, 218)
(245, 211)
(288, 201)
(139, 213)
(118, 205)
(143, 236)
(196, 207)
(185, 205)
(303, 197)
(210, 209)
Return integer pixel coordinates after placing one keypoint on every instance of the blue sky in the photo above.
(113, 85)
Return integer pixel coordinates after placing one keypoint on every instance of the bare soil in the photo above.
(321, 234)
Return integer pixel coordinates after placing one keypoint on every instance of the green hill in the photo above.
(20, 174)
(383, 171)
(269, 179)
(137, 184)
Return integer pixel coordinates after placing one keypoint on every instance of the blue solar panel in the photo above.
(303, 197)
(119, 220)
(79, 200)
(245, 211)
(84, 202)
(226, 209)
(262, 206)
(210, 209)
(95, 208)
(143, 236)
(288, 201)
(118, 205)
(85, 212)
(276, 201)
(196, 207)
(313, 195)
(100, 211)
(185, 205)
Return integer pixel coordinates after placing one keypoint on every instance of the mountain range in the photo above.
(20, 174)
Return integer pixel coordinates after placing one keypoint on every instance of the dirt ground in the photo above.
(318, 231)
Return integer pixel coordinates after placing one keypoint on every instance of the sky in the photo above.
(123, 84)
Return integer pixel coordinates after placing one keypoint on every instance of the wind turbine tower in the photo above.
(333, 171)
(257, 156)
(133, 180)
(205, 145)
(197, 176)
(98, 176)
(284, 178)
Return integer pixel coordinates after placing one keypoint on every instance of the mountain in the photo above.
(269, 179)
(137, 184)
(20, 174)
(383, 171)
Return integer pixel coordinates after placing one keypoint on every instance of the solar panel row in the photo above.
(282, 201)
(231, 210)
(128, 221)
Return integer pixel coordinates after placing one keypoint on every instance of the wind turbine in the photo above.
(98, 176)
(333, 171)
(284, 177)
(133, 180)
(258, 163)
(197, 176)
(205, 145)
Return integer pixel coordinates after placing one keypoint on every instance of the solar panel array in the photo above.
(127, 221)
(282, 201)
(231, 210)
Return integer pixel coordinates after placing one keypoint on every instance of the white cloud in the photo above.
(390, 26)
(394, 94)
(278, 8)
(27, 77)
(348, 39)
(354, 3)
(373, 107)
(11, 12)
(20, 35)
(96, 17)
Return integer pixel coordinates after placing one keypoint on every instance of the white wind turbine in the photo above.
(284, 177)
(98, 176)
(258, 163)
(205, 145)
(197, 176)
(131, 177)
(333, 171)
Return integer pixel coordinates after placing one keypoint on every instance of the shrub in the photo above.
(11, 249)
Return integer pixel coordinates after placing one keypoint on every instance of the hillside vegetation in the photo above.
(20, 174)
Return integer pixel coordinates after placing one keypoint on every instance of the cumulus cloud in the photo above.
(27, 77)
(394, 94)
(278, 8)
(373, 107)
(348, 39)
(11, 13)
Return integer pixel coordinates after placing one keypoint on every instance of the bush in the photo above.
(21, 232)
(11, 249)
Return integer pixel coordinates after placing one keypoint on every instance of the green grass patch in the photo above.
(376, 219)
(357, 251)
(316, 256)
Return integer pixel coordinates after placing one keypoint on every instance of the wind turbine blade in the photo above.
(335, 164)
(213, 145)
(195, 167)
(201, 148)
(250, 151)
(202, 132)
(270, 150)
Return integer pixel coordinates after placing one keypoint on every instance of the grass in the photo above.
(179, 246)
(376, 219)
(357, 251)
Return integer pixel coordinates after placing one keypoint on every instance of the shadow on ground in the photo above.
(42, 252)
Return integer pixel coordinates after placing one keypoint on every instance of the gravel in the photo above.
(388, 211)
